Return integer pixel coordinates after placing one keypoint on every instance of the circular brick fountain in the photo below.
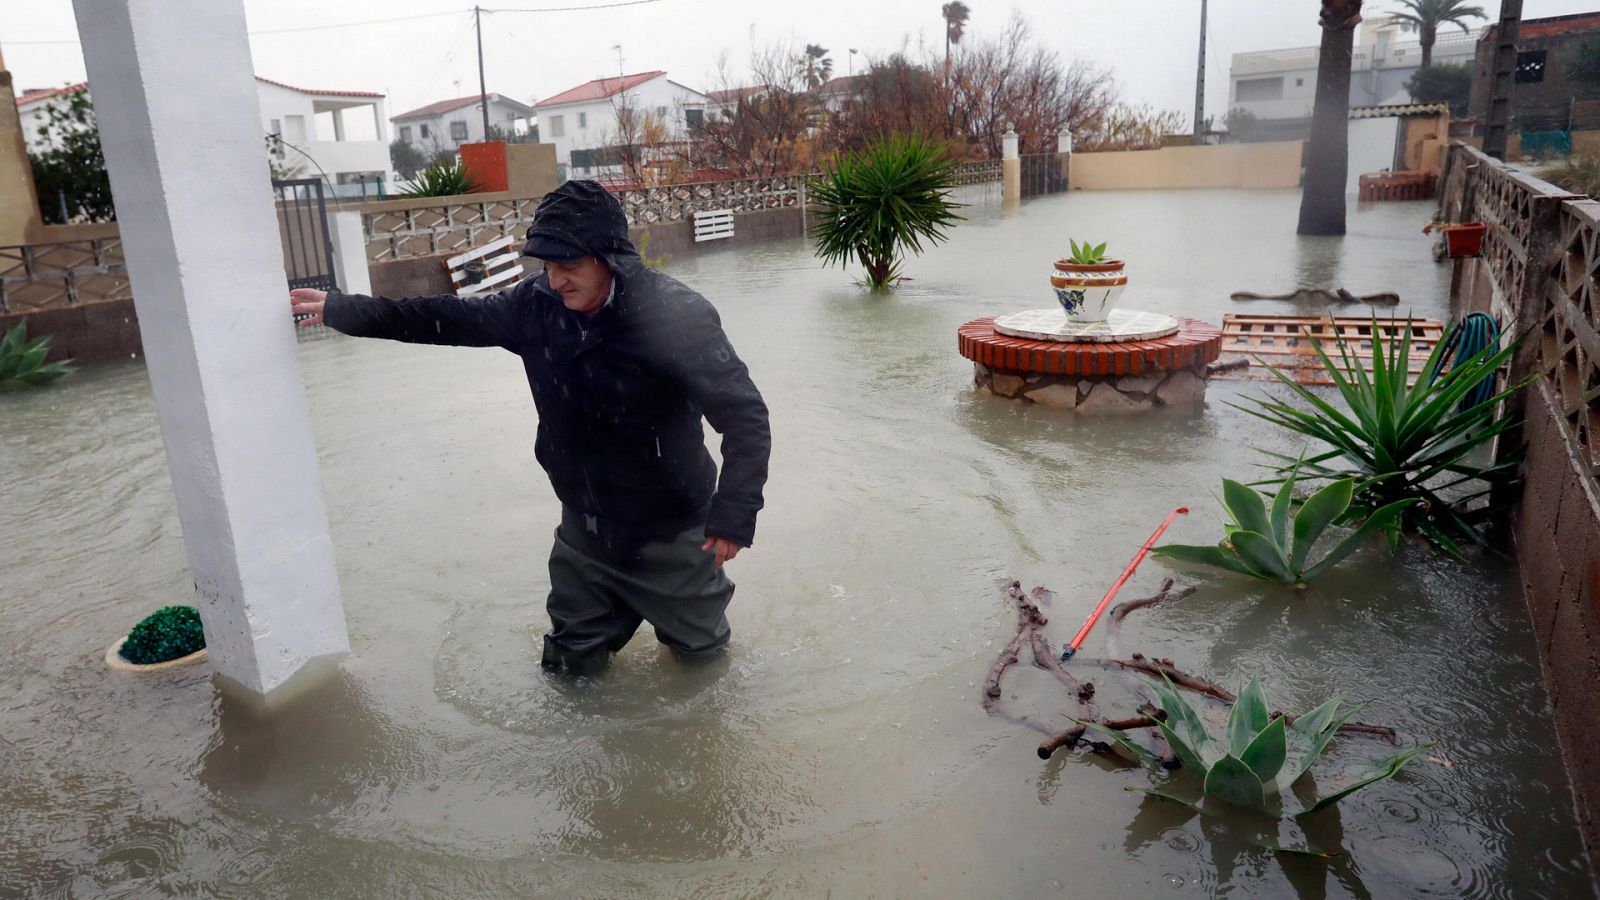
(1135, 360)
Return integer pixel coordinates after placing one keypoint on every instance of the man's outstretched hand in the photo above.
(723, 548)
(309, 302)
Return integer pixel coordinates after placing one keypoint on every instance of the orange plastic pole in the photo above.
(1077, 640)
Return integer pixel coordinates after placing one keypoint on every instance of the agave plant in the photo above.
(442, 179)
(1270, 544)
(1087, 254)
(1261, 756)
(22, 362)
(878, 204)
(1400, 440)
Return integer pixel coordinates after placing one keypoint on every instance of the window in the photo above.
(424, 132)
(1299, 82)
(405, 133)
(694, 118)
(558, 127)
(276, 127)
(458, 131)
(583, 120)
(1530, 67)
(1258, 89)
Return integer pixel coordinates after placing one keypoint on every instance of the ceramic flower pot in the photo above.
(1464, 240)
(1088, 293)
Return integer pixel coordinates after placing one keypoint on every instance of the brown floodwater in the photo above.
(841, 750)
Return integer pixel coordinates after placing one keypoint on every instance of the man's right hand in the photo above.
(308, 302)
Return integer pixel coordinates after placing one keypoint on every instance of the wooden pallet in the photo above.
(483, 269)
(1286, 343)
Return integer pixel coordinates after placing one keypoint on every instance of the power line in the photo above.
(303, 28)
(545, 9)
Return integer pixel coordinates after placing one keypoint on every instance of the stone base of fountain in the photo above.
(1133, 362)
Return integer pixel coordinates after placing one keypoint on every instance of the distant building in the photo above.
(835, 93)
(448, 124)
(1279, 87)
(1543, 98)
(723, 103)
(318, 133)
(582, 121)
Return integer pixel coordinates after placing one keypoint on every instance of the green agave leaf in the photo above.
(1205, 555)
(1306, 850)
(1100, 252)
(1248, 717)
(1181, 748)
(1383, 519)
(1320, 741)
(1140, 755)
(33, 357)
(15, 337)
(1185, 723)
(1246, 507)
(1267, 753)
(1163, 795)
(1302, 738)
(1315, 515)
(1281, 504)
(1231, 780)
(1385, 770)
(1260, 553)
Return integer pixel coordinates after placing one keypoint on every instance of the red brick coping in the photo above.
(1195, 344)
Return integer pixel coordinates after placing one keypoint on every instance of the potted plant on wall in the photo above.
(1087, 284)
(170, 636)
(1461, 239)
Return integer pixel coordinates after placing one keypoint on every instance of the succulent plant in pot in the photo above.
(1086, 283)
(170, 636)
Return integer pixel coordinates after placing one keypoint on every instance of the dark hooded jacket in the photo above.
(621, 394)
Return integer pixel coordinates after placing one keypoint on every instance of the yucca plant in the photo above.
(1259, 759)
(1403, 441)
(877, 204)
(22, 362)
(1270, 544)
(1087, 254)
(442, 179)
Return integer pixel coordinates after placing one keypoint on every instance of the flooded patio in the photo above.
(842, 749)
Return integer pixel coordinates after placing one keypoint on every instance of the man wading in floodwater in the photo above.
(623, 362)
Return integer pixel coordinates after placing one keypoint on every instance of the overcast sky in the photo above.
(1150, 45)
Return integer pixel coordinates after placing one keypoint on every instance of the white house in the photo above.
(340, 134)
(725, 102)
(448, 124)
(838, 92)
(583, 119)
(1282, 84)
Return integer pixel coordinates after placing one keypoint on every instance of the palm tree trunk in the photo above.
(1425, 37)
(1328, 149)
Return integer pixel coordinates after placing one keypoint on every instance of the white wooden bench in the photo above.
(713, 225)
(484, 269)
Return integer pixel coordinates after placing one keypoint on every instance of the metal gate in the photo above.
(1043, 173)
(303, 226)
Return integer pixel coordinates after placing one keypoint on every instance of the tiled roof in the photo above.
(1398, 109)
(34, 95)
(434, 109)
(734, 95)
(838, 85)
(599, 89)
(320, 93)
(1550, 27)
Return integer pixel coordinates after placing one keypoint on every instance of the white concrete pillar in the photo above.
(1064, 140)
(206, 268)
(349, 252)
(1010, 166)
(338, 124)
(1064, 154)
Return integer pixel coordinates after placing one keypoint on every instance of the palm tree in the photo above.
(1328, 148)
(1427, 15)
(818, 65)
(955, 15)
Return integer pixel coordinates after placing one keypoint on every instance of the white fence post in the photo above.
(349, 252)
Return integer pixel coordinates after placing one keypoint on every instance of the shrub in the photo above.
(1259, 758)
(882, 202)
(22, 362)
(168, 633)
(1404, 441)
(442, 179)
(1579, 174)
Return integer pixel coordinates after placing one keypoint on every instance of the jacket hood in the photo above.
(582, 214)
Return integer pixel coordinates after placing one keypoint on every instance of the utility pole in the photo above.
(483, 89)
(1505, 69)
(1200, 78)
(621, 66)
